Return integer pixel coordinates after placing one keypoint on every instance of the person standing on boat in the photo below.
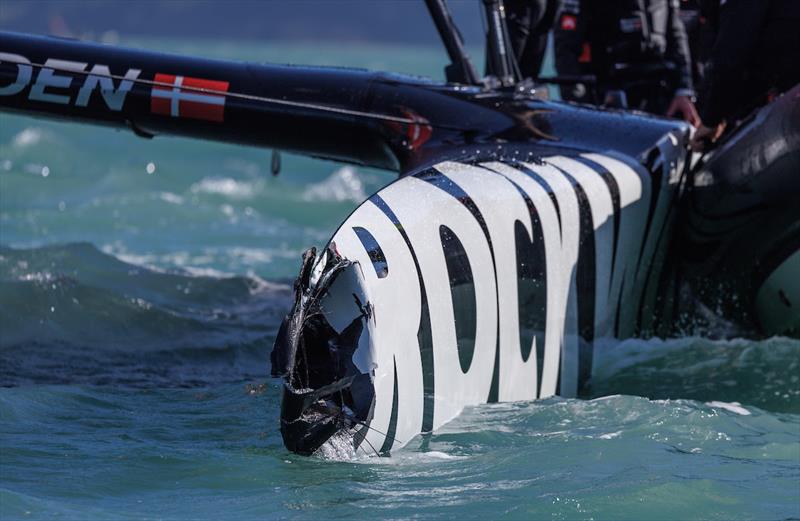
(699, 20)
(529, 23)
(636, 49)
(755, 57)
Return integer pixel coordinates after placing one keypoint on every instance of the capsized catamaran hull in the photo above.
(522, 235)
(468, 283)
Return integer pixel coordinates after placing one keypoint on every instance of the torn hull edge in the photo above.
(324, 354)
(471, 283)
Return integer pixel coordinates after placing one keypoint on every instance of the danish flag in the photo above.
(187, 97)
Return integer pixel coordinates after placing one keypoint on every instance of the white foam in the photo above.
(27, 137)
(734, 407)
(225, 186)
(344, 184)
(435, 454)
(339, 447)
(404, 457)
(170, 198)
(207, 272)
(604, 398)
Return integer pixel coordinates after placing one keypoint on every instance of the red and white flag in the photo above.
(179, 102)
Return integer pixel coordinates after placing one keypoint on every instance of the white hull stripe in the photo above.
(592, 219)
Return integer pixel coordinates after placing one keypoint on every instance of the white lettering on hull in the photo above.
(482, 211)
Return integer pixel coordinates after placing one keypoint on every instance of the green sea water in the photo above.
(142, 283)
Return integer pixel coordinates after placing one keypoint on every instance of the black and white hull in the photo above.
(482, 282)
(522, 236)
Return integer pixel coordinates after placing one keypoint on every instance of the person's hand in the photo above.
(684, 106)
(704, 136)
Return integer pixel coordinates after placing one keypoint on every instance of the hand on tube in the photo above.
(705, 136)
(684, 106)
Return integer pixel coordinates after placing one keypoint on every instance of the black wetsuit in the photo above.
(756, 54)
(638, 46)
(529, 22)
(700, 20)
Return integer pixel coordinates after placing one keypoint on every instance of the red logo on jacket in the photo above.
(569, 22)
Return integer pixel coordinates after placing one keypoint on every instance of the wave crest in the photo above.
(70, 311)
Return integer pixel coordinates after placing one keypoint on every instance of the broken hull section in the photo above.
(482, 281)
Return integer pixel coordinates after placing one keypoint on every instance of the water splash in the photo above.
(345, 184)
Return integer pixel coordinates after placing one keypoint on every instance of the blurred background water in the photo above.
(141, 287)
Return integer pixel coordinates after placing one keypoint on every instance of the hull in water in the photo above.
(473, 282)
(478, 276)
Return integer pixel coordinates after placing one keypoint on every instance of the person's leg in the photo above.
(542, 16)
(519, 21)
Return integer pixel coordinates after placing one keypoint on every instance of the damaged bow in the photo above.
(323, 354)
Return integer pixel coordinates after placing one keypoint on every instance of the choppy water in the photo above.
(137, 311)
